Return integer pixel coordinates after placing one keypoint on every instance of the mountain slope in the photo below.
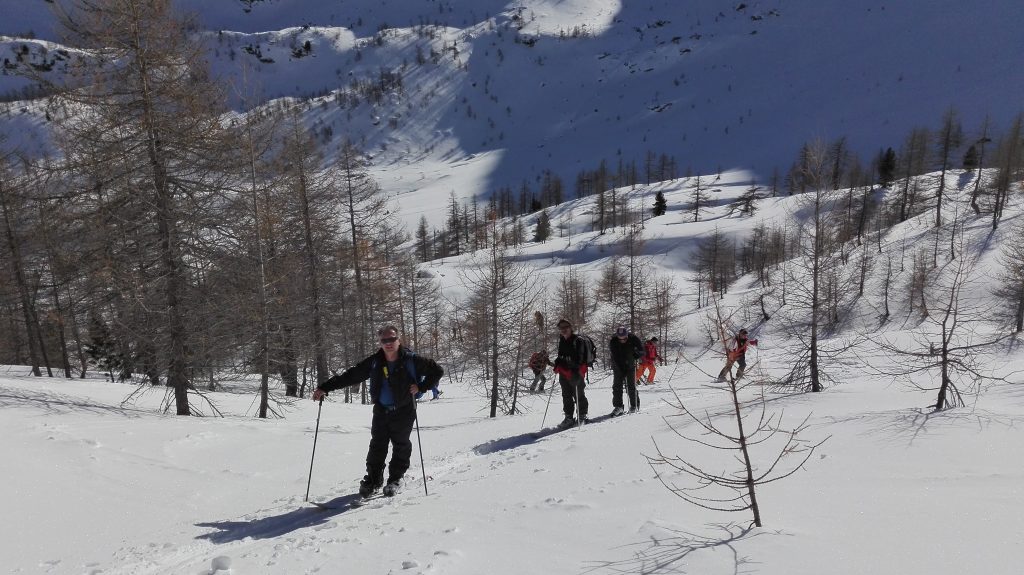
(540, 85)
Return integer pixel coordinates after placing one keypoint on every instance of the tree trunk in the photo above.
(741, 439)
(815, 297)
(61, 331)
(319, 355)
(167, 220)
(28, 311)
(1020, 311)
(39, 330)
(494, 343)
(264, 330)
(76, 334)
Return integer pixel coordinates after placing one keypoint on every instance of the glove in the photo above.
(753, 342)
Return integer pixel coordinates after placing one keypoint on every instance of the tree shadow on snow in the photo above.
(278, 525)
(906, 426)
(669, 554)
(58, 404)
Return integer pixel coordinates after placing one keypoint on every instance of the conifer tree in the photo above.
(698, 197)
(977, 162)
(660, 204)
(950, 136)
(543, 231)
(423, 243)
(886, 167)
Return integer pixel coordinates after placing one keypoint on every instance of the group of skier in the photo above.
(630, 359)
(398, 377)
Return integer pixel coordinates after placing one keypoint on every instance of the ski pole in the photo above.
(316, 432)
(636, 384)
(419, 444)
(577, 381)
(550, 395)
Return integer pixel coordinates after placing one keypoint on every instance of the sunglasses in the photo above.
(387, 340)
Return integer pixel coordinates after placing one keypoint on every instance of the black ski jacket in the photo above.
(427, 371)
(570, 354)
(624, 354)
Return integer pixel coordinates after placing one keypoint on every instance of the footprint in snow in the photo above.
(219, 564)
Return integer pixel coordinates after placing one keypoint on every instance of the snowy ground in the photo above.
(95, 485)
(91, 486)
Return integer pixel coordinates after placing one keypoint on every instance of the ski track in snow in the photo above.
(291, 526)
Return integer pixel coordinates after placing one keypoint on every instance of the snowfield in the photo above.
(96, 477)
(94, 486)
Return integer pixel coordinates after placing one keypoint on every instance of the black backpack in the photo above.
(589, 351)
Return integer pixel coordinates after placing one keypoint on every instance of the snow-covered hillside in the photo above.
(488, 94)
(466, 95)
(97, 484)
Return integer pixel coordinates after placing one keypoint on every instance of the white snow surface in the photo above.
(91, 486)
(96, 485)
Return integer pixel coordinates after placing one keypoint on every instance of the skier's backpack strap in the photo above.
(410, 365)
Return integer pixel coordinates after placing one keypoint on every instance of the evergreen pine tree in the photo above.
(971, 158)
(102, 348)
(886, 166)
(423, 241)
(660, 205)
(543, 231)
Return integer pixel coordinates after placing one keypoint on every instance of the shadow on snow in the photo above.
(278, 525)
(523, 439)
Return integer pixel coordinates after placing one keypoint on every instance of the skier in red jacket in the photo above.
(647, 362)
(737, 354)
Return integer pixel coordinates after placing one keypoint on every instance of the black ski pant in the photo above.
(619, 377)
(569, 390)
(538, 377)
(392, 426)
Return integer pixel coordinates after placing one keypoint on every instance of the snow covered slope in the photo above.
(492, 93)
(91, 486)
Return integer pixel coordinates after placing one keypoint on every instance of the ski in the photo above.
(556, 429)
(346, 502)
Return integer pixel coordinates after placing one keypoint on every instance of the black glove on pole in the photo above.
(315, 433)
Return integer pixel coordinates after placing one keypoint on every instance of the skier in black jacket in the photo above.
(392, 389)
(623, 350)
(571, 372)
